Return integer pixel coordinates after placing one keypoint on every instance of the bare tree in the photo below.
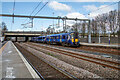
(94, 27)
(83, 29)
(3, 27)
(113, 17)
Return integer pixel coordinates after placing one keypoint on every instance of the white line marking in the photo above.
(9, 51)
(7, 60)
(31, 70)
(9, 72)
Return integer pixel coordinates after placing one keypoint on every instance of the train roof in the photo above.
(41, 36)
(58, 34)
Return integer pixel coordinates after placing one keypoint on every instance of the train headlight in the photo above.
(72, 40)
(76, 40)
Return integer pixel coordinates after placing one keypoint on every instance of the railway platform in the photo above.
(100, 45)
(13, 64)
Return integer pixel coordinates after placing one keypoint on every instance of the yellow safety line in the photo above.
(1, 49)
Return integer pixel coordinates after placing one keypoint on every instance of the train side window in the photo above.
(39, 38)
(67, 36)
(57, 37)
(60, 36)
(52, 37)
(63, 36)
(72, 36)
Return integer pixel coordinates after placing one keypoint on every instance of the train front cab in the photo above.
(74, 41)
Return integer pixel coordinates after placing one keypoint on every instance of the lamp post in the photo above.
(99, 36)
(59, 21)
(109, 36)
(89, 32)
(76, 26)
(53, 19)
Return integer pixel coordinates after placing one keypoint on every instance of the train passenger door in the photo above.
(60, 38)
(63, 38)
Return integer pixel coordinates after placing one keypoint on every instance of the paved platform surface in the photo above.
(13, 66)
(104, 45)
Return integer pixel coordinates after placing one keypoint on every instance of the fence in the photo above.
(113, 40)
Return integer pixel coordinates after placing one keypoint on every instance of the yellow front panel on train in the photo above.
(72, 40)
(76, 40)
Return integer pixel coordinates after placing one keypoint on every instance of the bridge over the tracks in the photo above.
(25, 34)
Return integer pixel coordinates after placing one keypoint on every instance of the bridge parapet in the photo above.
(23, 33)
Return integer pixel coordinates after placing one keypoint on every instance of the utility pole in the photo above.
(31, 22)
(63, 26)
(76, 26)
(59, 21)
(53, 19)
(89, 32)
(99, 36)
(119, 23)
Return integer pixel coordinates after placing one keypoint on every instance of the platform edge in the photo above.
(31, 70)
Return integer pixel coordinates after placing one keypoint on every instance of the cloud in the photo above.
(90, 7)
(94, 11)
(59, 6)
(19, 30)
(75, 15)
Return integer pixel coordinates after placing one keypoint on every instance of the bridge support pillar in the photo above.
(15, 39)
(26, 39)
(5, 38)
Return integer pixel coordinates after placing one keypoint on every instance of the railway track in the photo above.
(109, 53)
(107, 50)
(43, 68)
(94, 49)
(102, 62)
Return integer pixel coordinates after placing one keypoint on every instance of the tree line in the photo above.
(3, 28)
(104, 24)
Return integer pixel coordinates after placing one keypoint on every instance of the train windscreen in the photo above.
(74, 35)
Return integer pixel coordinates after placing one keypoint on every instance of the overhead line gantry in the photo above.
(45, 17)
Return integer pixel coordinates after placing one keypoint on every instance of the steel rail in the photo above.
(116, 63)
(30, 63)
(58, 69)
(55, 50)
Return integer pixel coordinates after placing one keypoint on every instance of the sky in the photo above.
(70, 9)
